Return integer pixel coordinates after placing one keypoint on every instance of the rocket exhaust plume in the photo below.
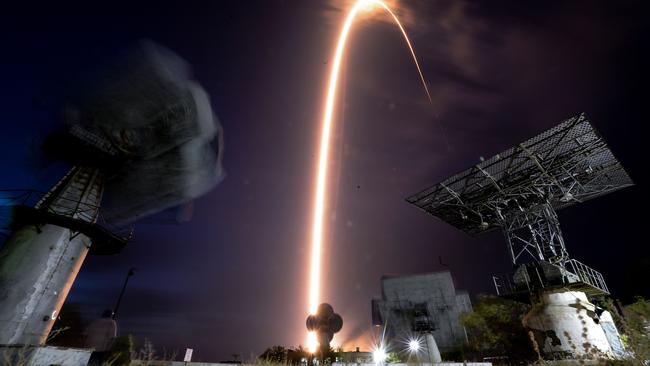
(323, 155)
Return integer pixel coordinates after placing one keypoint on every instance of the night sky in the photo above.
(233, 279)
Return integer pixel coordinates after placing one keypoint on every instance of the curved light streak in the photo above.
(323, 156)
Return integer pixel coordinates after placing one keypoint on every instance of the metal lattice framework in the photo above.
(69, 204)
(520, 190)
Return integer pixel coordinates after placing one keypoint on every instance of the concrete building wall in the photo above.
(409, 302)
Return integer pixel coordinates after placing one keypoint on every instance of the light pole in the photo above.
(119, 299)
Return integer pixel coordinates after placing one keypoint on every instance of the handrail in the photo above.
(31, 197)
(575, 273)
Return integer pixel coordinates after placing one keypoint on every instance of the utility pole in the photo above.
(119, 299)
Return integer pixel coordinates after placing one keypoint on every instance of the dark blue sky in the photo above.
(232, 279)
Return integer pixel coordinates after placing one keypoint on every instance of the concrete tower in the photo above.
(41, 259)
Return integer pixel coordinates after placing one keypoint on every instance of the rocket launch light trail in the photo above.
(323, 156)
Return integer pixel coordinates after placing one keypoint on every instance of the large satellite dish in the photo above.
(151, 126)
(567, 164)
(519, 192)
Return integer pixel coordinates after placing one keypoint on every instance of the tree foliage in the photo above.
(295, 356)
(495, 329)
(275, 354)
(637, 328)
(121, 351)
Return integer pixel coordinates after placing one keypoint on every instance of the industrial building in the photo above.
(417, 305)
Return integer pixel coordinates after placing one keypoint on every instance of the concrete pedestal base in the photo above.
(565, 326)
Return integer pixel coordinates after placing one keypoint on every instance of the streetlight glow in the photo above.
(414, 345)
(379, 355)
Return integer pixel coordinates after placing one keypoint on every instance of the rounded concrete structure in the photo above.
(565, 325)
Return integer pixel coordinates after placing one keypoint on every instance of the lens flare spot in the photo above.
(414, 345)
(379, 355)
